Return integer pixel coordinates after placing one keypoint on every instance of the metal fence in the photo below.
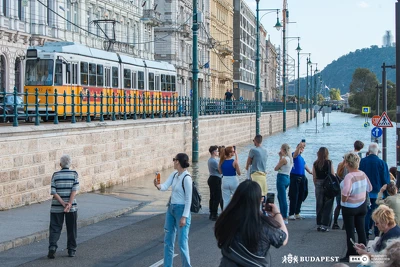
(54, 106)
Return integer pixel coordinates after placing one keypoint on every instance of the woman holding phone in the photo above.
(229, 168)
(243, 233)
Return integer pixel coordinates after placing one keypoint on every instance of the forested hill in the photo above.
(338, 74)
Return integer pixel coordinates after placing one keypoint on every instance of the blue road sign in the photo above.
(376, 132)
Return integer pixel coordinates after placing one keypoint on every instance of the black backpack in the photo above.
(196, 197)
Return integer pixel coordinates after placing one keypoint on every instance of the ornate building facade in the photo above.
(221, 43)
(25, 23)
(173, 42)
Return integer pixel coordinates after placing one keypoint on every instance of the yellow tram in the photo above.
(81, 74)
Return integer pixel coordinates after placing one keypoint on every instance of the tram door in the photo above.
(107, 86)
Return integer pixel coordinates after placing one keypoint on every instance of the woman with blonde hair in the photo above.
(354, 202)
(383, 217)
(283, 167)
(229, 168)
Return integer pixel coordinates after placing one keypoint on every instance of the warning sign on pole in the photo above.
(375, 119)
(384, 121)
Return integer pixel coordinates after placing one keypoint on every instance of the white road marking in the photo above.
(161, 262)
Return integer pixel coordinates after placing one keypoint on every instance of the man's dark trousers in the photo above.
(56, 224)
(214, 182)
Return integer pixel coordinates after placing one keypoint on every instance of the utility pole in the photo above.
(397, 12)
(195, 93)
(284, 17)
(384, 107)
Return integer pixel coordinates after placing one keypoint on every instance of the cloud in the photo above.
(363, 4)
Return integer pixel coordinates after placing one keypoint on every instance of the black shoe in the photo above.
(51, 253)
(214, 217)
(71, 253)
(335, 226)
(344, 259)
(319, 228)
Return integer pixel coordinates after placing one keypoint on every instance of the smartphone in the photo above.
(303, 140)
(234, 148)
(352, 241)
(270, 198)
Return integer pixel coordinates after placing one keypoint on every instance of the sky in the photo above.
(330, 29)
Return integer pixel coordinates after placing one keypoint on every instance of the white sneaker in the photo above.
(286, 221)
(298, 217)
(291, 217)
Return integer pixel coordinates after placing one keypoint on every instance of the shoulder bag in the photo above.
(331, 184)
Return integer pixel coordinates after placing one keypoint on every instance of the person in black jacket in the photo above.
(243, 233)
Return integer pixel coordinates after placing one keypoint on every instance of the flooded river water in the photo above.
(339, 137)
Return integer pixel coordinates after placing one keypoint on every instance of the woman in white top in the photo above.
(283, 167)
(177, 218)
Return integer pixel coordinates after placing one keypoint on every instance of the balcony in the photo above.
(224, 76)
(224, 50)
(151, 17)
(186, 30)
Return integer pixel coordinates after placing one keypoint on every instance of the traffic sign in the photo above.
(366, 110)
(375, 119)
(376, 132)
(384, 121)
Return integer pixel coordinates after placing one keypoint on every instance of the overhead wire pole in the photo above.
(284, 17)
(195, 93)
(257, 96)
(397, 12)
(298, 49)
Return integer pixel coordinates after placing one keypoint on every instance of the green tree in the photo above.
(334, 94)
(320, 98)
(363, 80)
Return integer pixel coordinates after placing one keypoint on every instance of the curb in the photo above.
(35, 237)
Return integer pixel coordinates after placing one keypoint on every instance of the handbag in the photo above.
(238, 255)
(331, 184)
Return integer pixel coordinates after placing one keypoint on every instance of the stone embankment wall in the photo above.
(112, 152)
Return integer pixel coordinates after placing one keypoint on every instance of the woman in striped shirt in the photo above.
(354, 205)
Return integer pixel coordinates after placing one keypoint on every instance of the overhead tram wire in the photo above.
(223, 63)
(101, 37)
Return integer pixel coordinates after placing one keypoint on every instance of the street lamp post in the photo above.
(195, 93)
(298, 49)
(397, 20)
(307, 85)
(257, 93)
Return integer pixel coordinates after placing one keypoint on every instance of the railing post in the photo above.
(166, 107)
(26, 105)
(65, 104)
(15, 121)
(134, 106)
(108, 106)
(101, 106)
(95, 105)
(73, 119)
(174, 106)
(152, 106)
(55, 106)
(81, 105)
(160, 99)
(88, 106)
(125, 118)
(37, 122)
(144, 106)
(46, 97)
(113, 118)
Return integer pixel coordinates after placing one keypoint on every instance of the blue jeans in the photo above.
(171, 226)
(368, 220)
(282, 183)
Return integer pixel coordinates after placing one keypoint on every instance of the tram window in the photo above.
(75, 73)
(100, 80)
(157, 84)
(151, 81)
(107, 81)
(92, 74)
(163, 83)
(39, 72)
(173, 84)
(168, 82)
(134, 80)
(84, 73)
(114, 77)
(58, 73)
(141, 80)
(68, 74)
(127, 78)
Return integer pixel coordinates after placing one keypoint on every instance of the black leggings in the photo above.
(354, 218)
